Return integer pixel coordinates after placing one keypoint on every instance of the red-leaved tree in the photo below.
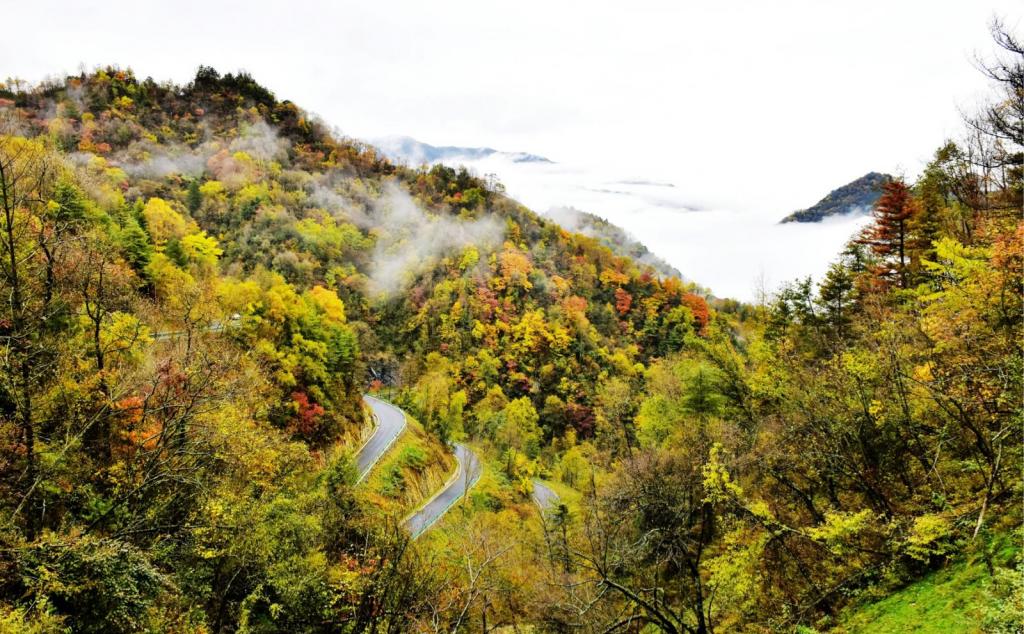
(887, 235)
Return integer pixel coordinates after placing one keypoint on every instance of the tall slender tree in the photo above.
(27, 252)
(887, 235)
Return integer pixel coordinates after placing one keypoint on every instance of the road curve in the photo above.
(467, 474)
(390, 425)
(543, 496)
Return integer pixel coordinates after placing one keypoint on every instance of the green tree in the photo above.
(835, 296)
(194, 197)
(518, 429)
(135, 242)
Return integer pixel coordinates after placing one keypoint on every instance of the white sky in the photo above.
(746, 105)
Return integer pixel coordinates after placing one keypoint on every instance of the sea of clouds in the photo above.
(735, 253)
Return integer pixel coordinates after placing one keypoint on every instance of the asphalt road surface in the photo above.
(390, 425)
(543, 496)
(468, 474)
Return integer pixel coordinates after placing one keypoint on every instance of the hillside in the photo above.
(858, 196)
(201, 282)
(612, 236)
(235, 277)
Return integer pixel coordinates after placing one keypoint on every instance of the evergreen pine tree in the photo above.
(835, 296)
(887, 236)
(137, 247)
(194, 198)
(70, 203)
(926, 226)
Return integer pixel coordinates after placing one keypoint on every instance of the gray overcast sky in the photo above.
(743, 104)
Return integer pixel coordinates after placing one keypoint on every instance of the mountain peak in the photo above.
(856, 196)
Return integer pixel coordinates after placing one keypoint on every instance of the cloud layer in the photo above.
(409, 240)
(735, 253)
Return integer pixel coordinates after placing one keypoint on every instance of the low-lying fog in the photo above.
(734, 253)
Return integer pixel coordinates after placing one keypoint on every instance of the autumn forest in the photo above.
(203, 283)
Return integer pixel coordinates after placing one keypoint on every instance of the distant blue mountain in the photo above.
(409, 150)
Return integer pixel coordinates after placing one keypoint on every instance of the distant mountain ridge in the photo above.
(612, 236)
(408, 150)
(859, 195)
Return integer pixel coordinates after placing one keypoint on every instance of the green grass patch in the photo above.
(567, 495)
(411, 471)
(946, 601)
(411, 458)
(954, 600)
(493, 496)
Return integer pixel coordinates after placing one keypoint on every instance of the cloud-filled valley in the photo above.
(734, 253)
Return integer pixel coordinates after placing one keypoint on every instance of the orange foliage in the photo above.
(623, 301)
(575, 304)
(671, 287)
(130, 410)
(1008, 251)
(699, 308)
(516, 268)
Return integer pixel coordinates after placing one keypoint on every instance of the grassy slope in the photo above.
(952, 600)
(946, 601)
(566, 494)
(418, 484)
(493, 495)
(495, 500)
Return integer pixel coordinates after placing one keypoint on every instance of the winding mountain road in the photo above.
(466, 475)
(543, 495)
(390, 425)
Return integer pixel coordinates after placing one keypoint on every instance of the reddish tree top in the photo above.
(887, 235)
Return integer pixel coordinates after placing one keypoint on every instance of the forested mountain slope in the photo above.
(858, 196)
(613, 236)
(288, 267)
